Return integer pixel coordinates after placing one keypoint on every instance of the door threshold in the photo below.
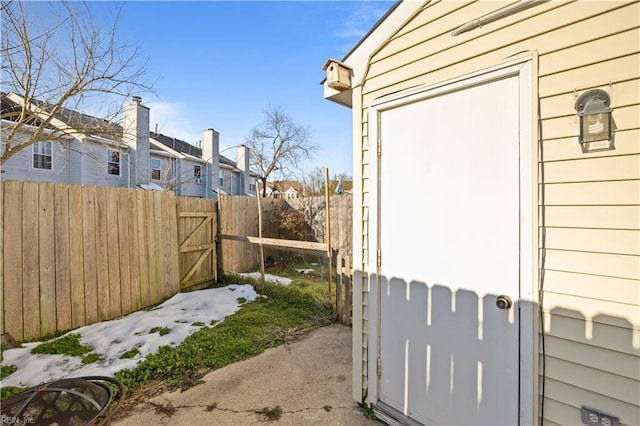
(393, 417)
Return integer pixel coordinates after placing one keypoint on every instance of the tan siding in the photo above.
(626, 142)
(593, 169)
(609, 265)
(592, 193)
(624, 93)
(610, 241)
(614, 70)
(578, 397)
(624, 118)
(605, 332)
(589, 212)
(620, 363)
(620, 290)
(605, 217)
(622, 388)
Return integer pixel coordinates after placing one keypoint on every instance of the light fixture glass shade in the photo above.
(595, 116)
(595, 127)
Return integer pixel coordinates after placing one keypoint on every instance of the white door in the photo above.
(449, 245)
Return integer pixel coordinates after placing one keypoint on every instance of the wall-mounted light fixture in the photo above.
(594, 111)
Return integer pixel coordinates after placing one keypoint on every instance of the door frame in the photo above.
(525, 68)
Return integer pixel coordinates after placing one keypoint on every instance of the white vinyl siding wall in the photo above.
(589, 203)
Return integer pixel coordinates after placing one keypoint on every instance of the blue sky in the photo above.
(219, 64)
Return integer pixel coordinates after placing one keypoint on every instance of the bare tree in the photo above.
(51, 72)
(313, 182)
(278, 146)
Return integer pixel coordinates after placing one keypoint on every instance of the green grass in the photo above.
(264, 323)
(66, 345)
(163, 331)
(91, 358)
(6, 370)
(130, 353)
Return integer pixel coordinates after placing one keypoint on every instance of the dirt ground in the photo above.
(307, 382)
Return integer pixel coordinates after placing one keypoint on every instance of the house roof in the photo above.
(84, 123)
(358, 57)
(177, 144)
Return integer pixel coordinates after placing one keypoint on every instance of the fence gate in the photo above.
(197, 228)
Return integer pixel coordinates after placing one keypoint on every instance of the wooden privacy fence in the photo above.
(73, 255)
(343, 289)
(197, 230)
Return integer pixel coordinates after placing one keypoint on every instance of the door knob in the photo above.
(503, 302)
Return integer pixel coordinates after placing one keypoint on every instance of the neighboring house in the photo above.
(500, 283)
(291, 189)
(287, 190)
(127, 155)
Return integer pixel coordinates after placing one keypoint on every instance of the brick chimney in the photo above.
(135, 134)
(211, 156)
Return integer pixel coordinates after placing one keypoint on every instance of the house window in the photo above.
(197, 171)
(42, 155)
(113, 162)
(156, 165)
(221, 177)
(252, 187)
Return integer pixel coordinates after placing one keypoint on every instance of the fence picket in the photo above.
(46, 240)
(78, 312)
(113, 249)
(13, 259)
(30, 274)
(89, 254)
(102, 255)
(62, 257)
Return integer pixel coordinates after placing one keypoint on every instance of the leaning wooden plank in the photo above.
(62, 257)
(78, 313)
(30, 261)
(12, 237)
(276, 242)
(89, 251)
(46, 240)
(102, 253)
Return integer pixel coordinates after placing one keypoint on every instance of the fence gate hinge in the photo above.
(379, 258)
(379, 367)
